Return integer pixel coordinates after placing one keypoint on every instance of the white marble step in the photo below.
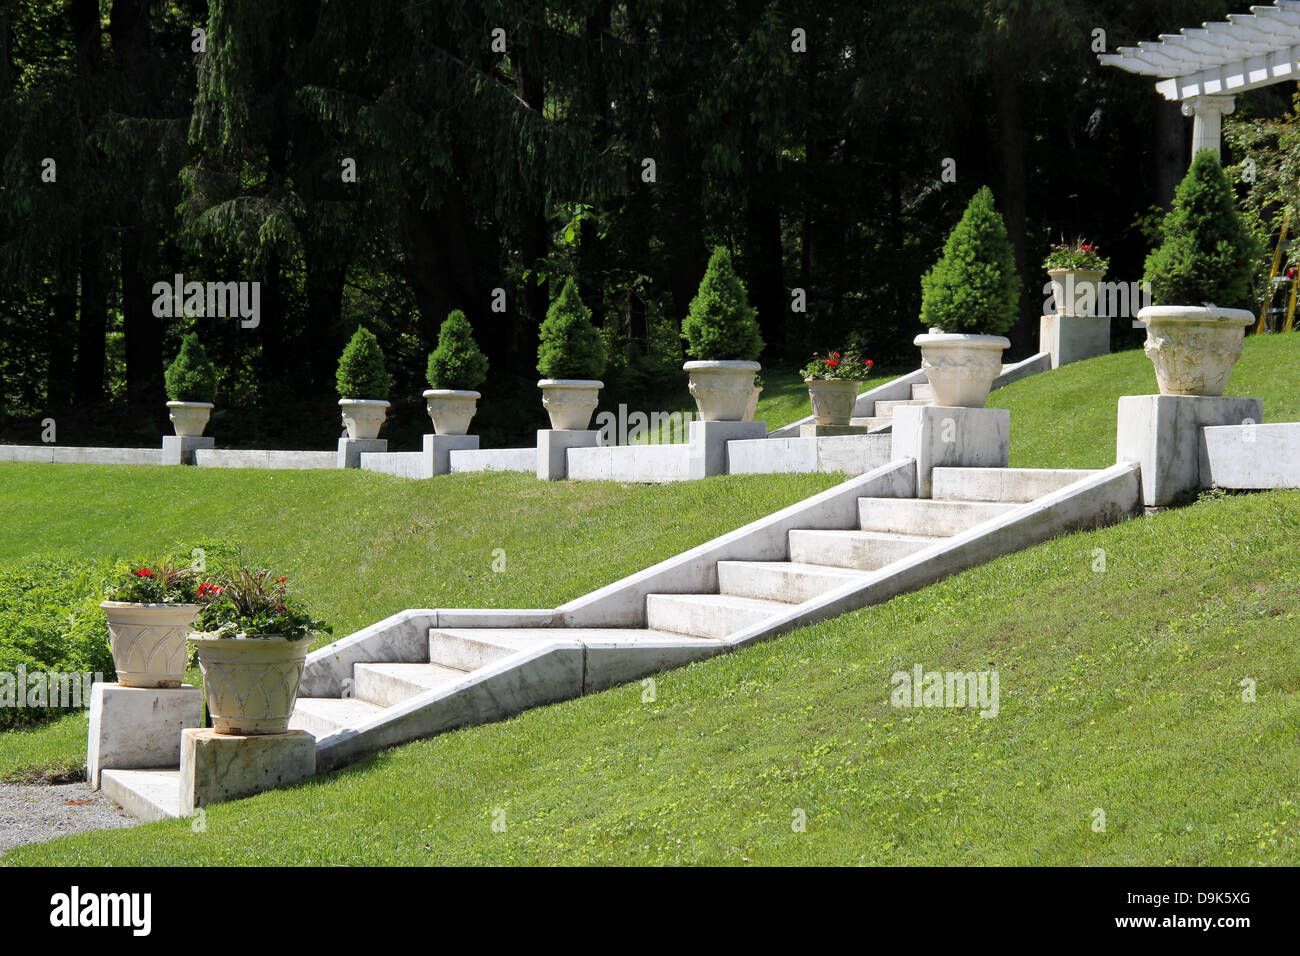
(322, 716)
(147, 795)
(923, 390)
(782, 581)
(386, 685)
(1002, 484)
(708, 615)
(886, 409)
(863, 550)
(935, 517)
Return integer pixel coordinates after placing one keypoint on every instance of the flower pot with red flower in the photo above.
(722, 338)
(968, 299)
(149, 611)
(833, 383)
(252, 646)
(1075, 270)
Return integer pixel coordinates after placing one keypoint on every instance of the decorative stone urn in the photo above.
(961, 368)
(148, 642)
(570, 402)
(1194, 347)
(752, 408)
(189, 418)
(1074, 291)
(363, 417)
(452, 409)
(722, 389)
(251, 683)
(832, 399)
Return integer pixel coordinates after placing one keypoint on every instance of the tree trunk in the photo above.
(93, 324)
(141, 328)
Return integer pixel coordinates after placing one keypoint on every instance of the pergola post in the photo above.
(1207, 114)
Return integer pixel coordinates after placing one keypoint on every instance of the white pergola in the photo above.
(1204, 68)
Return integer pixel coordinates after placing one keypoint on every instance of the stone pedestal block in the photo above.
(707, 442)
(950, 436)
(350, 450)
(438, 449)
(132, 728)
(180, 451)
(1163, 434)
(553, 446)
(219, 767)
(1071, 338)
(813, 430)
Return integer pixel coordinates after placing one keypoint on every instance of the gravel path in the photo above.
(33, 813)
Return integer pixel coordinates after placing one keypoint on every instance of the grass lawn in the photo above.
(1120, 691)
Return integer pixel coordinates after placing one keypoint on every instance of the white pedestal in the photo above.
(133, 728)
(180, 451)
(350, 450)
(219, 767)
(438, 449)
(942, 436)
(553, 446)
(1071, 338)
(1163, 434)
(708, 445)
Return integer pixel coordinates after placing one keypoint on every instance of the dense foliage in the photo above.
(457, 362)
(1208, 254)
(837, 366)
(721, 324)
(154, 582)
(1078, 254)
(361, 372)
(256, 602)
(570, 345)
(191, 377)
(973, 287)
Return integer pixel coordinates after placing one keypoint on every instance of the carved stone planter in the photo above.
(570, 402)
(722, 390)
(832, 400)
(363, 417)
(251, 683)
(189, 418)
(451, 409)
(1194, 347)
(1074, 291)
(148, 642)
(961, 368)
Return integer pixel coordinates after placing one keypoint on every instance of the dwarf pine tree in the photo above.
(361, 372)
(973, 288)
(191, 377)
(457, 362)
(721, 324)
(570, 345)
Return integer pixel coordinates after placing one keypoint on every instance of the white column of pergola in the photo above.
(1204, 68)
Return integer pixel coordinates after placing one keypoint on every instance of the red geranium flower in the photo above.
(1086, 248)
(833, 364)
(870, 363)
(144, 573)
(837, 355)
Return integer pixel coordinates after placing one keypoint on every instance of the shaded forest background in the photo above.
(480, 170)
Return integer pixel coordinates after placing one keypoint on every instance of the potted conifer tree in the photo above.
(252, 641)
(1200, 272)
(723, 340)
(968, 303)
(191, 383)
(570, 357)
(456, 367)
(149, 611)
(363, 385)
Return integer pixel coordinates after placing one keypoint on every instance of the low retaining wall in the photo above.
(403, 464)
(648, 463)
(263, 458)
(849, 454)
(56, 454)
(1251, 457)
(494, 459)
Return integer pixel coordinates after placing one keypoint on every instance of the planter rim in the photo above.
(108, 604)
(970, 340)
(834, 381)
(196, 637)
(738, 364)
(1061, 270)
(191, 405)
(1197, 313)
(364, 401)
(451, 393)
(570, 383)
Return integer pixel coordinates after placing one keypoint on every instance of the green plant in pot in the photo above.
(968, 303)
(833, 382)
(363, 385)
(571, 358)
(191, 384)
(1075, 268)
(1200, 273)
(723, 341)
(456, 367)
(252, 643)
(150, 609)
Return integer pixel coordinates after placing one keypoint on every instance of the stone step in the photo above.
(147, 795)
(469, 648)
(782, 581)
(862, 550)
(922, 390)
(927, 516)
(707, 615)
(1002, 484)
(872, 421)
(387, 685)
(322, 716)
(886, 409)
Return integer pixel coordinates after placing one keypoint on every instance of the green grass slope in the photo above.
(1066, 418)
(1120, 692)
